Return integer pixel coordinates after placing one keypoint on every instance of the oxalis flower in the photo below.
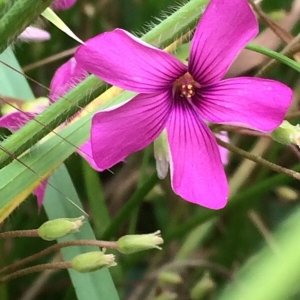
(178, 98)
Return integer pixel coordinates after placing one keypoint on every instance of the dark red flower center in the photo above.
(186, 86)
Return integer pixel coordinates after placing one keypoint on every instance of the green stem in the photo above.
(18, 17)
(37, 268)
(282, 58)
(129, 207)
(5, 6)
(19, 233)
(57, 247)
(259, 160)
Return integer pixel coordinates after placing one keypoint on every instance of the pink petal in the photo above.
(85, 151)
(127, 62)
(117, 133)
(255, 103)
(197, 173)
(34, 34)
(65, 78)
(63, 4)
(40, 192)
(15, 120)
(223, 31)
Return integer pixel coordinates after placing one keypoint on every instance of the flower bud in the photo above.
(169, 277)
(286, 193)
(202, 287)
(54, 229)
(161, 154)
(138, 242)
(92, 261)
(287, 134)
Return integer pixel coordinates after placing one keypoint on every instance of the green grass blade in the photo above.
(89, 286)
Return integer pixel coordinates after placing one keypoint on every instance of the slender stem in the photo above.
(282, 58)
(293, 115)
(56, 247)
(129, 207)
(19, 233)
(289, 50)
(37, 268)
(284, 35)
(259, 160)
(50, 59)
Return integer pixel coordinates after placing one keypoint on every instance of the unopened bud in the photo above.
(161, 154)
(92, 261)
(286, 193)
(169, 277)
(54, 229)
(201, 289)
(287, 134)
(138, 242)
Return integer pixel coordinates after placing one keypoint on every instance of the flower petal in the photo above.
(223, 31)
(117, 133)
(85, 151)
(63, 4)
(197, 173)
(40, 192)
(127, 62)
(255, 103)
(66, 77)
(15, 120)
(34, 34)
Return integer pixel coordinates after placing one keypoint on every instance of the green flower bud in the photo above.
(201, 289)
(92, 261)
(169, 277)
(54, 229)
(138, 242)
(286, 193)
(161, 154)
(287, 134)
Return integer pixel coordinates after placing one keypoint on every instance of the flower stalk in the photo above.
(55, 248)
(19, 233)
(260, 160)
(35, 269)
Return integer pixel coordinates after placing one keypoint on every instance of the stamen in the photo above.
(186, 86)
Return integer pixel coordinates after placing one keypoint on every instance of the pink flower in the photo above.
(63, 4)
(67, 76)
(34, 34)
(178, 98)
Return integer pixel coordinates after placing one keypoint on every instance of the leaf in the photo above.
(52, 17)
